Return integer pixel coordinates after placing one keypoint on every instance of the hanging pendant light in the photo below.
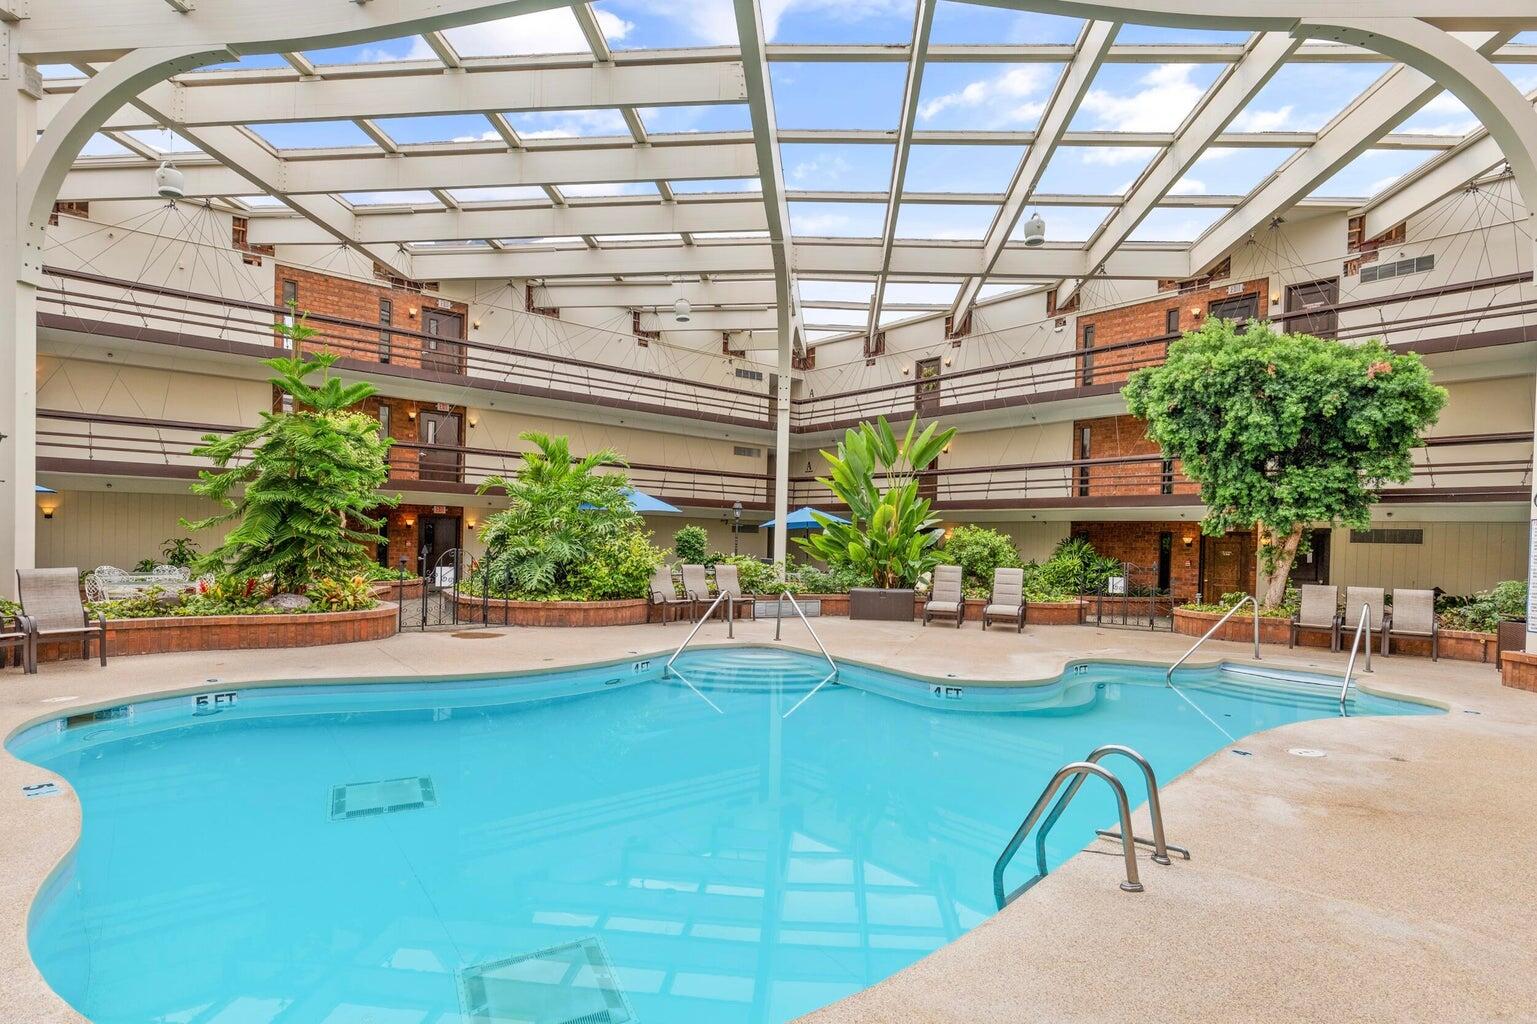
(169, 182)
(682, 310)
(1035, 231)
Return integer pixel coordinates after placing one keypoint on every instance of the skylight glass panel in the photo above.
(100, 145)
(260, 202)
(1151, 34)
(833, 95)
(708, 185)
(985, 97)
(728, 235)
(962, 168)
(1443, 115)
(710, 117)
(839, 220)
(1143, 97)
(548, 240)
(813, 290)
(645, 24)
(1175, 224)
(405, 198)
(1065, 223)
(835, 317)
(1231, 170)
(610, 188)
(312, 135)
(1305, 97)
(568, 124)
(663, 237)
(1371, 172)
(968, 23)
(886, 21)
(816, 337)
(402, 48)
(553, 31)
(992, 291)
(247, 63)
(59, 71)
(1094, 170)
(499, 194)
(449, 128)
(840, 168)
(1523, 76)
(922, 292)
(932, 220)
(163, 141)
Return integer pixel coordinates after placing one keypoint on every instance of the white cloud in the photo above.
(1263, 120)
(820, 223)
(822, 170)
(1166, 96)
(569, 124)
(1188, 187)
(1113, 155)
(554, 31)
(1005, 95)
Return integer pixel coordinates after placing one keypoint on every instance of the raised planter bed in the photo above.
(174, 633)
(1456, 644)
(1037, 613)
(395, 590)
(556, 613)
(1518, 670)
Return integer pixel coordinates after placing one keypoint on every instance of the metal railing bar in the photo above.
(1362, 626)
(1168, 677)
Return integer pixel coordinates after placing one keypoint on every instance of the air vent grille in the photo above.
(1397, 268)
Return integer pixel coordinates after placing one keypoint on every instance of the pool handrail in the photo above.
(779, 610)
(1159, 842)
(702, 620)
(1076, 769)
(1168, 677)
(1364, 624)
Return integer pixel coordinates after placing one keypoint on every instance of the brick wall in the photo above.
(1113, 437)
(1137, 543)
(359, 300)
(403, 532)
(405, 416)
(1149, 320)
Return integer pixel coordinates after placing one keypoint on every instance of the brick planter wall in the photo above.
(1456, 644)
(1518, 670)
(559, 613)
(394, 590)
(233, 632)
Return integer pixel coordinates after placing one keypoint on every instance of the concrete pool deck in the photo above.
(1394, 879)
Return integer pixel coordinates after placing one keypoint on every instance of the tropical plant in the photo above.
(342, 594)
(755, 575)
(890, 535)
(690, 544)
(979, 551)
(1074, 568)
(308, 484)
(1484, 611)
(568, 533)
(179, 551)
(835, 579)
(1283, 431)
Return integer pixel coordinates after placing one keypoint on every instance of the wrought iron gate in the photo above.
(1132, 600)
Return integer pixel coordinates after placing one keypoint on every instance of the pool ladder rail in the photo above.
(1168, 677)
(1079, 772)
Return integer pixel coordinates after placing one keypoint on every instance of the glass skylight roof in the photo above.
(816, 290)
(962, 168)
(829, 21)
(843, 168)
(1371, 172)
(1175, 224)
(404, 48)
(713, 117)
(611, 188)
(1094, 170)
(552, 31)
(505, 194)
(986, 97)
(390, 198)
(568, 124)
(931, 220)
(704, 185)
(854, 220)
(1232, 170)
(1305, 97)
(968, 23)
(1065, 223)
(100, 145)
(451, 128)
(645, 24)
(834, 95)
(1143, 97)
(313, 135)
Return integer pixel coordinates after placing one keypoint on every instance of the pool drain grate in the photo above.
(572, 983)
(365, 799)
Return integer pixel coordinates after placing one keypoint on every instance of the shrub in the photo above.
(979, 550)
(345, 594)
(8, 607)
(1484, 611)
(835, 579)
(618, 569)
(1074, 568)
(1285, 610)
(690, 544)
(376, 573)
(757, 577)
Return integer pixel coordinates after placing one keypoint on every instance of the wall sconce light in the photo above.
(48, 511)
(906, 370)
(475, 324)
(948, 360)
(410, 311)
(1275, 298)
(411, 414)
(1195, 310)
(469, 524)
(409, 520)
(474, 422)
(1189, 540)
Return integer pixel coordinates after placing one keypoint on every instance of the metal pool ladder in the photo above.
(1079, 771)
(1366, 618)
(779, 609)
(1168, 677)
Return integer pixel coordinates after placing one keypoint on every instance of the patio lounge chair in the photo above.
(945, 597)
(696, 587)
(1320, 610)
(50, 600)
(1355, 597)
(1413, 614)
(16, 634)
(1008, 601)
(729, 581)
(664, 593)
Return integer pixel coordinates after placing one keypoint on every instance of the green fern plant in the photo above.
(301, 487)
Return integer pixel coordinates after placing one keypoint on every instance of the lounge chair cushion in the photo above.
(1008, 611)
(943, 606)
(1320, 605)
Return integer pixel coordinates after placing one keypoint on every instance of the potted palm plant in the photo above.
(891, 536)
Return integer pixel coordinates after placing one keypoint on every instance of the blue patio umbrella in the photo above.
(801, 519)
(640, 501)
(44, 490)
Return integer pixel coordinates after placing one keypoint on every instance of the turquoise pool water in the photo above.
(596, 845)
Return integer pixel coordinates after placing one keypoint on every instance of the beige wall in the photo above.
(663, 528)
(1457, 557)
(1035, 540)
(113, 388)
(94, 528)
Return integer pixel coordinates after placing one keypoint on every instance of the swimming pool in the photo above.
(600, 845)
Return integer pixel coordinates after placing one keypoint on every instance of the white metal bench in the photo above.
(109, 583)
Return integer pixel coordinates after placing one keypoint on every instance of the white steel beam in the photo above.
(757, 294)
(1312, 52)
(923, 26)
(1224, 101)
(1071, 88)
(1395, 96)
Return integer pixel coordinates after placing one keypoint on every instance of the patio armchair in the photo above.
(16, 634)
(1008, 601)
(945, 597)
(1355, 598)
(50, 600)
(696, 588)
(665, 593)
(1413, 614)
(728, 580)
(1320, 609)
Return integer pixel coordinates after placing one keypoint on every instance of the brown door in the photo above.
(1313, 567)
(441, 460)
(926, 398)
(435, 537)
(444, 332)
(1314, 295)
(1225, 563)
(1242, 308)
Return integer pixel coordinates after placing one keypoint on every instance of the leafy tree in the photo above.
(890, 536)
(690, 545)
(308, 483)
(568, 532)
(1285, 430)
(979, 550)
